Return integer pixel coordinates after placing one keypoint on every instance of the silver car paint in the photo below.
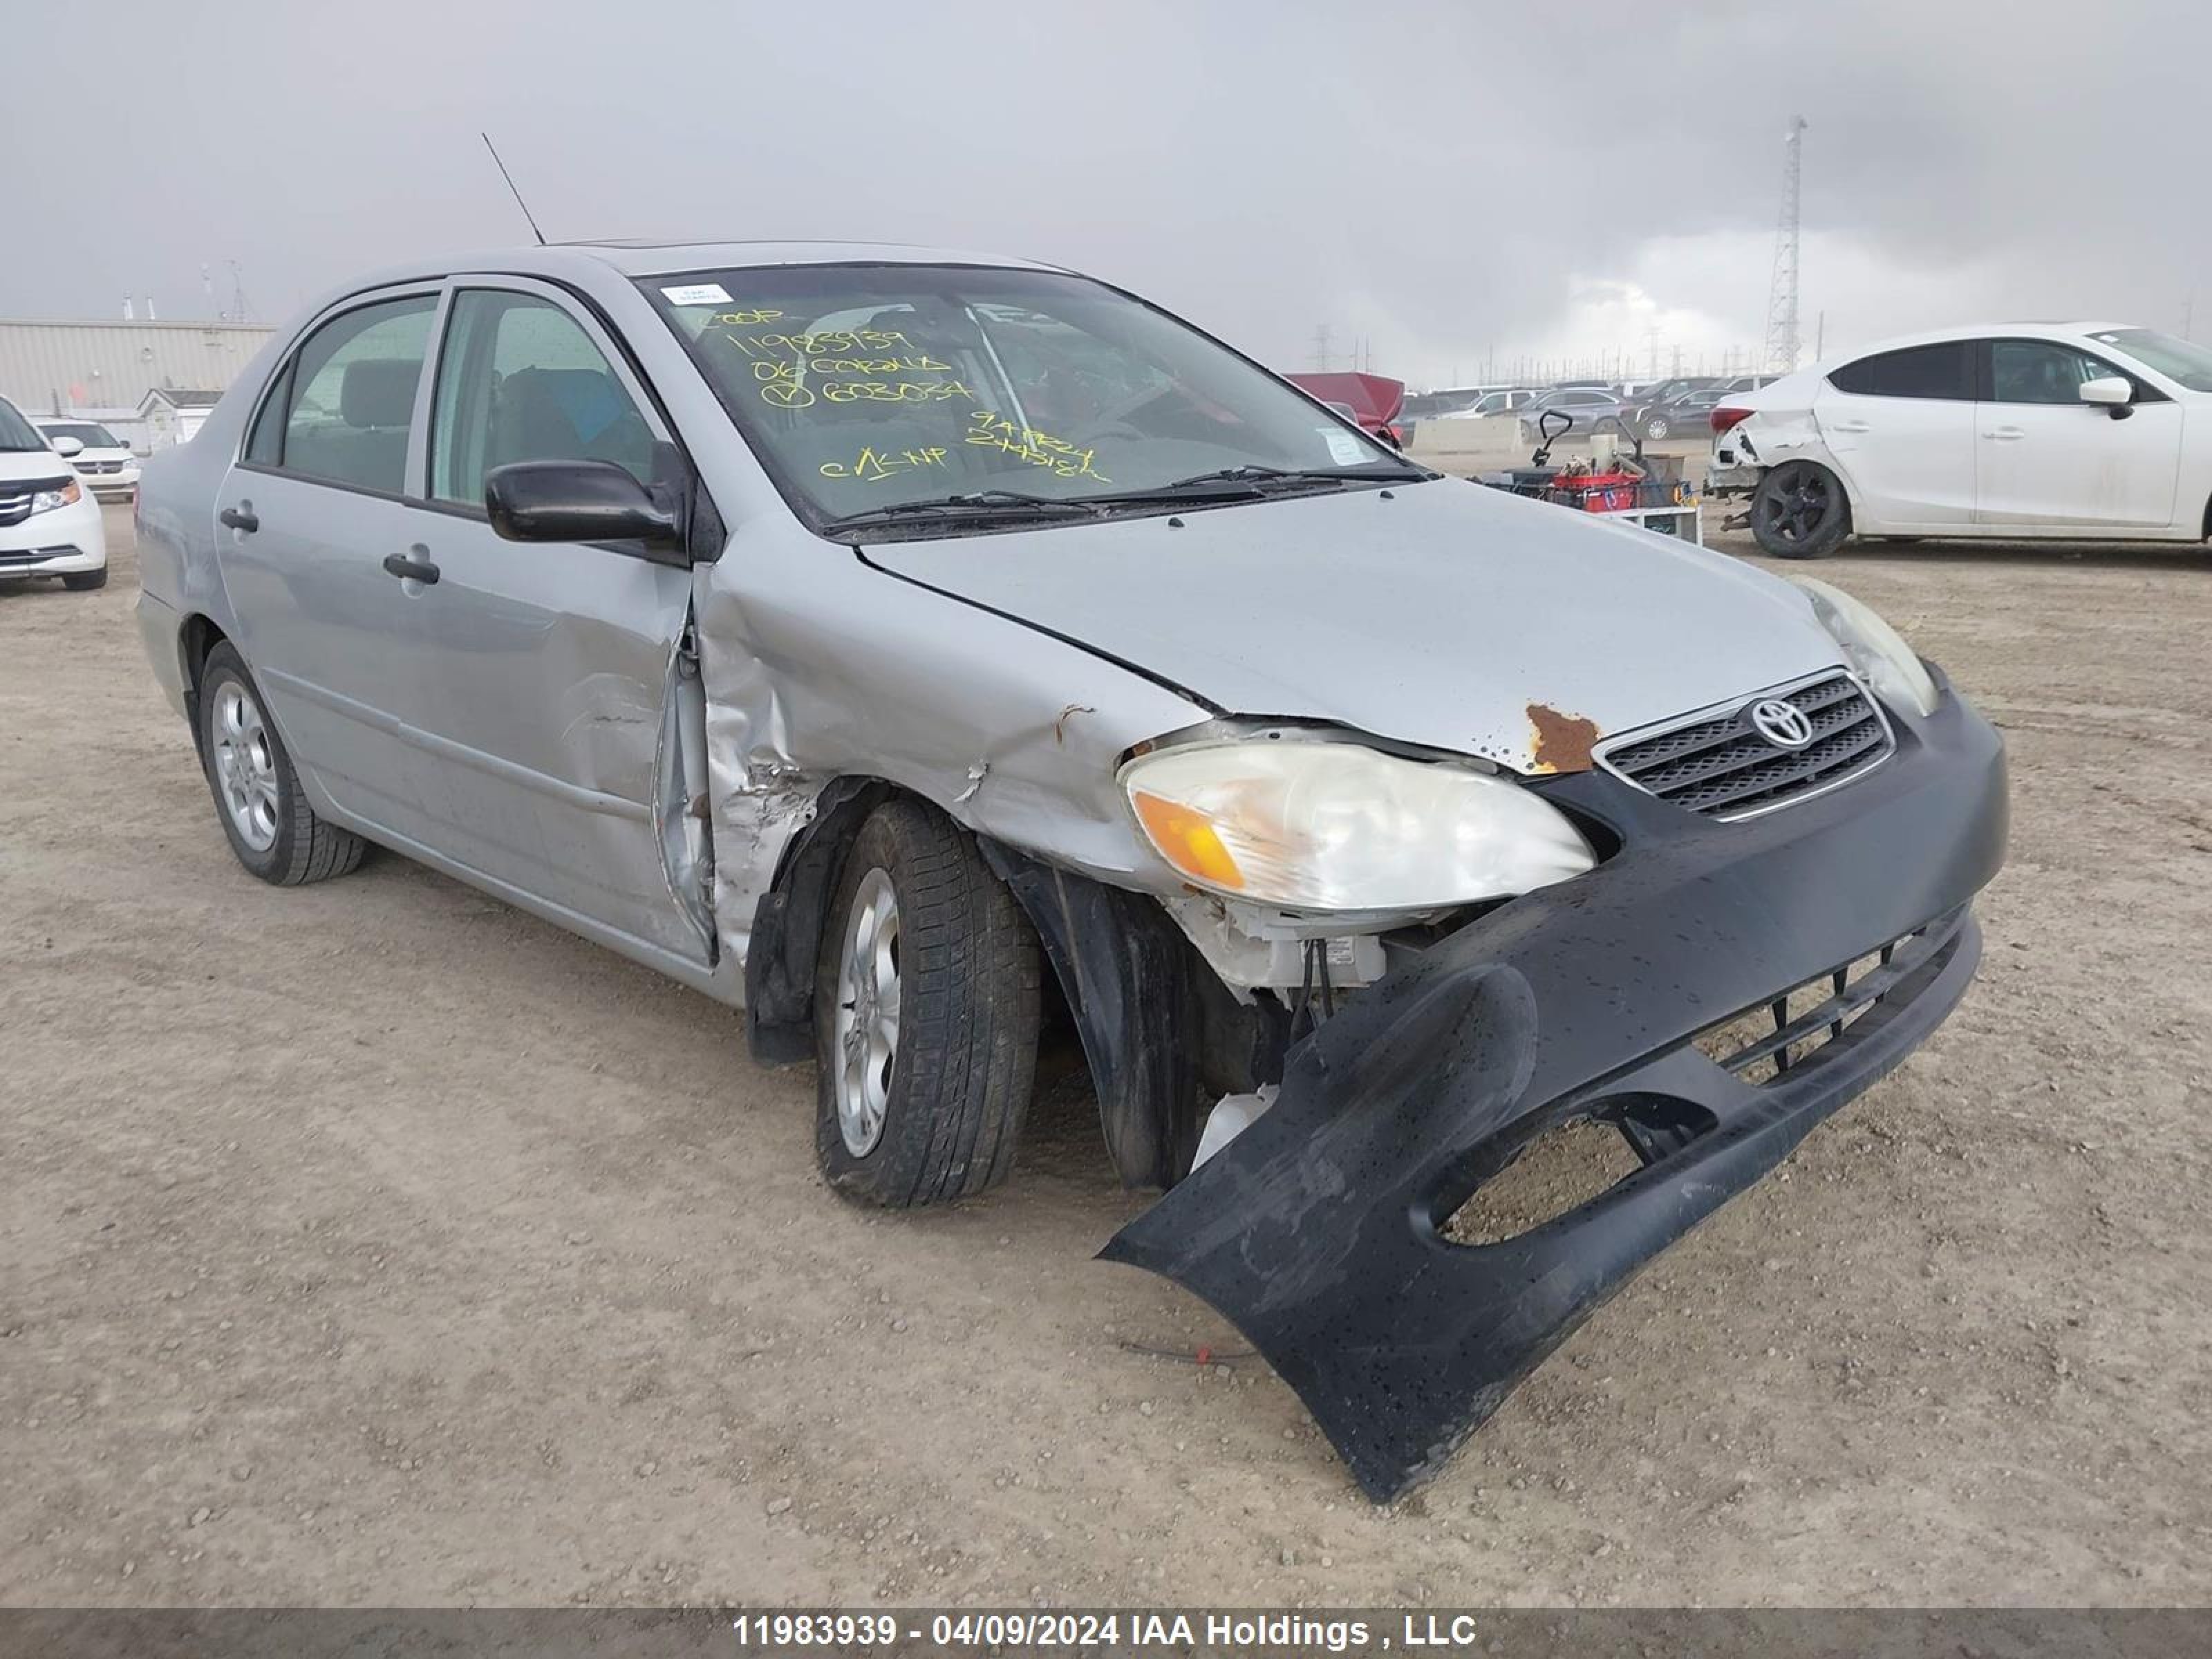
(1000, 677)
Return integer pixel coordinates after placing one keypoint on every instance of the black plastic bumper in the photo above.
(1317, 1231)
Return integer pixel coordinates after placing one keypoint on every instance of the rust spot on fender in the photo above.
(1557, 742)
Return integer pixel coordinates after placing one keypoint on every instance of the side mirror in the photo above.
(66, 447)
(2113, 393)
(576, 501)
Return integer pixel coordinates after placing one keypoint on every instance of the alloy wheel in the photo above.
(867, 1023)
(245, 766)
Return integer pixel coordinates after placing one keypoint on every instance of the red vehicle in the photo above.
(1375, 401)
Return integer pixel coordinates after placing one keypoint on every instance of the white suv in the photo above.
(106, 464)
(49, 522)
(2012, 430)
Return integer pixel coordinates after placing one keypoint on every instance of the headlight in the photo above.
(1336, 826)
(1875, 649)
(47, 500)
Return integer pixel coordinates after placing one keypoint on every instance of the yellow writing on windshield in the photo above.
(992, 430)
(742, 319)
(873, 464)
(833, 343)
(784, 390)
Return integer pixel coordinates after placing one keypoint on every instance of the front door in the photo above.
(2046, 460)
(534, 681)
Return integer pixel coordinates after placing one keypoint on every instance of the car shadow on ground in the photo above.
(2102, 555)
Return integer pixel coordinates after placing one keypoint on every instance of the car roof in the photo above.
(2033, 330)
(644, 258)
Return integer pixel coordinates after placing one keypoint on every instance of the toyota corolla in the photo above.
(888, 641)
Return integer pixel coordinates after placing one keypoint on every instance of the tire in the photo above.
(258, 799)
(85, 582)
(1799, 512)
(931, 1113)
(1655, 428)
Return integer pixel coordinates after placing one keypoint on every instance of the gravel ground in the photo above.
(373, 1243)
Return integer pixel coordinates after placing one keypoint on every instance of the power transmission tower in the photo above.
(1781, 293)
(1321, 347)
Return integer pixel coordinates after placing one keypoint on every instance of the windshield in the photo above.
(16, 432)
(866, 386)
(91, 436)
(2177, 359)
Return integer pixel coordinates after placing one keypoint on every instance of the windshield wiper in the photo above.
(976, 504)
(1256, 481)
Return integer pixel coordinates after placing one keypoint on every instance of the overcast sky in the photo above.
(1453, 183)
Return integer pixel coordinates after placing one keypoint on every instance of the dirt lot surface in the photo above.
(374, 1243)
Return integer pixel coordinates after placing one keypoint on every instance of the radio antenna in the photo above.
(517, 194)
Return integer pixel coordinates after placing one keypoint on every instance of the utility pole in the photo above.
(1321, 347)
(237, 294)
(1782, 341)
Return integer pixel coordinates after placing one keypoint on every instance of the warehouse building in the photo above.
(76, 367)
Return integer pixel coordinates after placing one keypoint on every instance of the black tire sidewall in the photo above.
(963, 1069)
(894, 1166)
(1827, 535)
(223, 665)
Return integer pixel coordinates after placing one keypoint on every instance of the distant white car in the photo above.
(106, 464)
(49, 522)
(2014, 431)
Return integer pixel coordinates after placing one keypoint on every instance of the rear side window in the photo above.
(347, 399)
(1946, 370)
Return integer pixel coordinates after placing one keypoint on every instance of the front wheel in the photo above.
(1799, 512)
(1656, 427)
(925, 1015)
(85, 581)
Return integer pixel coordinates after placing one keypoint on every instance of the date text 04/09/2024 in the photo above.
(1074, 1630)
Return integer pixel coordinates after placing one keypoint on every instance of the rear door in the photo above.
(1900, 425)
(2047, 461)
(534, 681)
(304, 518)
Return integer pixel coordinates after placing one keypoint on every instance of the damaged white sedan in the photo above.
(862, 634)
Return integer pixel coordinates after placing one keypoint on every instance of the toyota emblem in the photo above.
(1782, 723)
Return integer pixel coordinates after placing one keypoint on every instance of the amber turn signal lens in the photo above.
(1187, 839)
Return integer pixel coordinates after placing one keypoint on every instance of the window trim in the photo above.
(434, 287)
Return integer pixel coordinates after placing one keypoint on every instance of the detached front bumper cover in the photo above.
(1317, 1232)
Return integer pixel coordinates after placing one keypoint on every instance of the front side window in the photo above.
(348, 397)
(867, 386)
(2184, 360)
(1945, 370)
(2042, 372)
(520, 380)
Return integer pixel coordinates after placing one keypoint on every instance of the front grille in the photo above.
(14, 509)
(100, 466)
(1718, 764)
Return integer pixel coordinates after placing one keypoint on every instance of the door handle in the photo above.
(1849, 426)
(239, 518)
(406, 565)
(2005, 434)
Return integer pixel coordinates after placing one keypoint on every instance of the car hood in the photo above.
(1444, 615)
(16, 463)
